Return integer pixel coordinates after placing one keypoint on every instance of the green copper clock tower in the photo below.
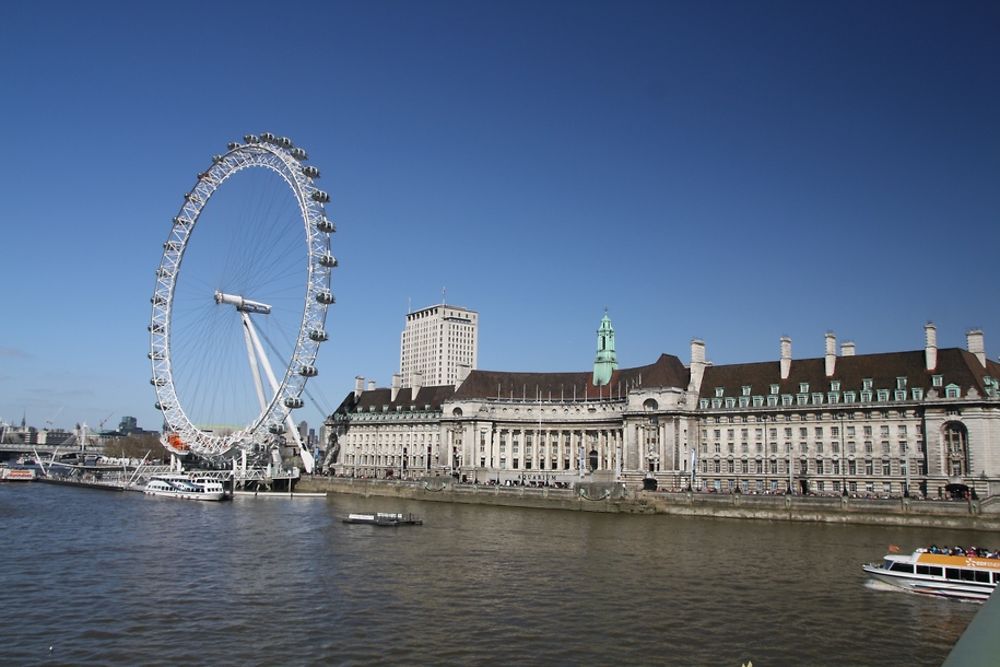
(605, 362)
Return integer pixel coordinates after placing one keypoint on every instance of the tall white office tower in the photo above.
(439, 346)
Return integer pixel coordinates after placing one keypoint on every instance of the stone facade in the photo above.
(880, 424)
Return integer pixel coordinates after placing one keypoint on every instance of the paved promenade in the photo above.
(615, 497)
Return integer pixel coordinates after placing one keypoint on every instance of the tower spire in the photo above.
(606, 360)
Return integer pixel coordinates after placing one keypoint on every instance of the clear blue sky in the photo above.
(735, 171)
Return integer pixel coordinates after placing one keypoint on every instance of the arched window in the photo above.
(956, 443)
(457, 412)
(650, 404)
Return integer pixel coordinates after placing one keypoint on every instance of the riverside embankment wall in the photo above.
(615, 497)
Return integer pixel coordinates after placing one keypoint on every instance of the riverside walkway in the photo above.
(618, 497)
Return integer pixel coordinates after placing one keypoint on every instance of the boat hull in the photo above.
(184, 495)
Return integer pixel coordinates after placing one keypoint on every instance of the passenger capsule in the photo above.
(174, 246)
(158, 382)
(267, 136)
(216, 159)
(308, 371)
(318, 335)
(325, 298)
(325, 225)
(251, 138)
(158, 300)
(155, 328)
(293, 402)
(285, 142)
(328, 261)
(300, 154)
(277, 429)
(155, 355)
(193, 198)
(310, 171)
(232, 145)
(162, 272)
(160, 406)
(320, 196)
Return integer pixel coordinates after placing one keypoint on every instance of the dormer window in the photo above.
(703, 403)
(803, 387)
(774, 390)
(866, 383)
(849, 397)
(952, 391)
(937, 380)
(730, 402)
(817, 398)
(918, 393)
(720, 392)
(746, 390)
(901, 383)
(883, 395)
(835, 385)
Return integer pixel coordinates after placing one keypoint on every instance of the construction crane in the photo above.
(100, 424)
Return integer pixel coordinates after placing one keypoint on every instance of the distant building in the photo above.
(128, 425)
(437, 343)
(924, 422)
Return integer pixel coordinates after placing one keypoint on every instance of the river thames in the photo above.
(95, 577)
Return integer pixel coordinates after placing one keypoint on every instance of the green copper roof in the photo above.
(606, 361)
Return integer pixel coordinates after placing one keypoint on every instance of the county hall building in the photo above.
(924, 422)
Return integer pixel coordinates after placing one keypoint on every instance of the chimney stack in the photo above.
(930, 346)
(697, 364)
(461, 374)
(831, 353)
(974, 341)
(418, 379)
(371, 385)
(359, 385)
(847, 348)
(786, 357)
(397, 380)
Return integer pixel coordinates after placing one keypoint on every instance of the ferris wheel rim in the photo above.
(278, 156)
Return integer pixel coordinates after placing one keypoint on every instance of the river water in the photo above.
(92, 577)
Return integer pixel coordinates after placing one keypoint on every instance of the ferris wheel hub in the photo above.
(242, 304)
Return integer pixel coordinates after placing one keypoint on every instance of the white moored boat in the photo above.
(182, 486)
(970, 574)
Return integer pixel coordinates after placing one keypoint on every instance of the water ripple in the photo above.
(122, 579)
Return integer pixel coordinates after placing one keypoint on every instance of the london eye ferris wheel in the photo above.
(234, 336)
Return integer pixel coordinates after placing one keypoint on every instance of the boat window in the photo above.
(902, 567)
(996, 577)
(952, 573)
(929, 569)
(982, 577)
(968, 575)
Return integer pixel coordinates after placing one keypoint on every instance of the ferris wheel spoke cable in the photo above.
(321, 408)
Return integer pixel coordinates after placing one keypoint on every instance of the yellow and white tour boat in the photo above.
(969, 574)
